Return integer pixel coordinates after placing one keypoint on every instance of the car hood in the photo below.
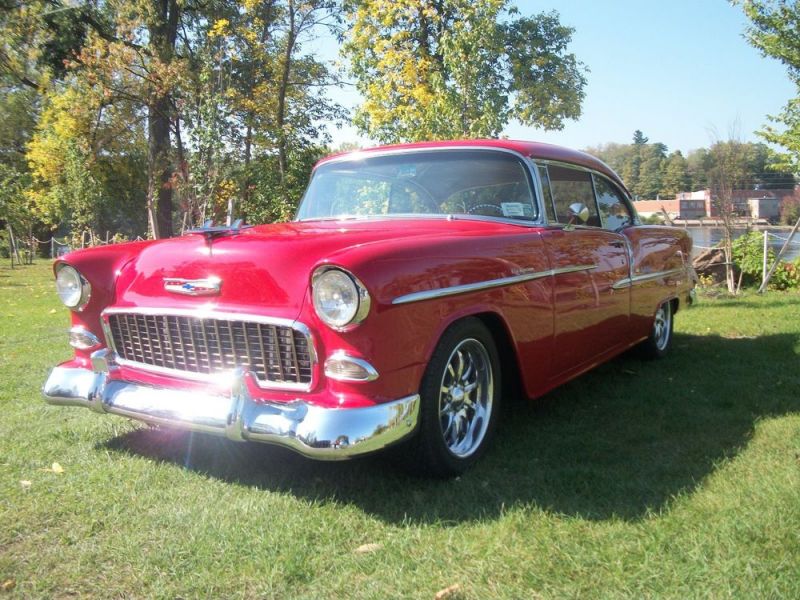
(267, 269)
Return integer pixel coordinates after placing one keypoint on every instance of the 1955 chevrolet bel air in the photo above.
(414, 282)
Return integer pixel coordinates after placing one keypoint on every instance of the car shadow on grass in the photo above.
(618, 442)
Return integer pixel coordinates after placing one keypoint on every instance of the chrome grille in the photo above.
(275, 354)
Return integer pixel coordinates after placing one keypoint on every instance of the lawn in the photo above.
(676, 478)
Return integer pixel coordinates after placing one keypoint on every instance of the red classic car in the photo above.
(415, 281)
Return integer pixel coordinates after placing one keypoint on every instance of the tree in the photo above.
(434, 69)
(728, 173)
(764, 165)
(675, 177)
(652, 159)
(639, 138)
(629, 171)
(775, 33)
(698, 162)
(163, 108)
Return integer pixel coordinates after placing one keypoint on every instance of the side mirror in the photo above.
(578, 211)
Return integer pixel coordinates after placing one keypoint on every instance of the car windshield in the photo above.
(468, 182)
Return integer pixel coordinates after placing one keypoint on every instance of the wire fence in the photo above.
(769, 234)
(23, 250)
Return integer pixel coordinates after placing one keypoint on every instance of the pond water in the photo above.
(706, 237)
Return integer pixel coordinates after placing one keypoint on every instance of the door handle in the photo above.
(618, 244)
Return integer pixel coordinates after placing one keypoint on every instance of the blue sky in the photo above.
(679, 70)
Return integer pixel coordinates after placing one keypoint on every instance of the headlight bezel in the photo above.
(361, 294)
(84, 287)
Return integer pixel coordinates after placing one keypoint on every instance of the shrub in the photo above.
(790, 210)
(748, 256)
(786, 276)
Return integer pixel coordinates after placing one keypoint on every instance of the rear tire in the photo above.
(460, 402)
(658, 343)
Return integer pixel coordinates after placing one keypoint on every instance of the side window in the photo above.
(569, 186)
(613, 209)
(547, 197)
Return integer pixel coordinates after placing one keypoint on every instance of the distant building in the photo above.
(757, 204)
(676, 209)
(768, 208)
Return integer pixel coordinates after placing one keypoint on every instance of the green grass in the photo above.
(676, 478)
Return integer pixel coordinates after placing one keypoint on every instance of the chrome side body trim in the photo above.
(211, 313)
(322, 433)
(486, 285)
(631, 281)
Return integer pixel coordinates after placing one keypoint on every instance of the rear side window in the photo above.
(570, 186)
(614, 210)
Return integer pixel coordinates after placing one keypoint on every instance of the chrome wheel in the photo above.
(662, 326)
(465, 398)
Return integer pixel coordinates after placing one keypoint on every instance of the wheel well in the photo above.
(675, 305)
(512, 381)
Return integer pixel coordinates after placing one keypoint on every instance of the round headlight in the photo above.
(339, 298)
(72, 288)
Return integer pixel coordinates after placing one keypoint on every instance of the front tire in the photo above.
(460, 401)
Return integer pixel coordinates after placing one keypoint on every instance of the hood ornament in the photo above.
(209, 286)
(210, 231)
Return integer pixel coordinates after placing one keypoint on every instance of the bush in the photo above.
(790, 210)
(748, 257)
(653, 219)
(786, 276)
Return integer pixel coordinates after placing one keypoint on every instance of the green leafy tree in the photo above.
(675, 177)
(652, 160)
(698, 162)
(764, 165)
(613, 154)
(774, 31)
(457, 68)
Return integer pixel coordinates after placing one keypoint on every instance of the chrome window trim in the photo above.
(625, 200)
(488, 284)
(525, 159)
(567, 165)
(636, 279)
(534, 166)
(210, 313)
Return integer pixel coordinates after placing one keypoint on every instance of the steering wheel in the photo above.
(493, 208)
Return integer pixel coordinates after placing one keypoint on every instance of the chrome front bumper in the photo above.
(322, 433)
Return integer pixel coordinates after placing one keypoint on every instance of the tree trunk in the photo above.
(160, 167)
(248, 150)
(283, 161)
(163, 30)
